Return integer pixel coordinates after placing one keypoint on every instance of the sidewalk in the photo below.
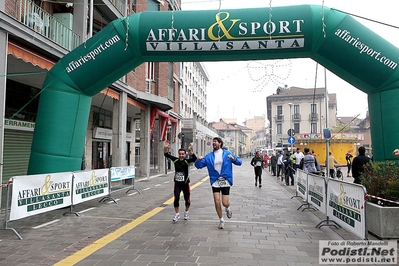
(266, 228)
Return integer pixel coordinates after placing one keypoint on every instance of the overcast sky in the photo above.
(255, 86)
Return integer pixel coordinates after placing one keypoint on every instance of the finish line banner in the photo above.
(36, 194)
(357, 252)
(91, 184)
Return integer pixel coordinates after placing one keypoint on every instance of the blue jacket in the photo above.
(227, 167)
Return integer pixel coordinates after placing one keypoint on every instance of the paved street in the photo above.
(266, 228)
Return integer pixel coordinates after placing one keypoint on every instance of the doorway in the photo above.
(101, 157)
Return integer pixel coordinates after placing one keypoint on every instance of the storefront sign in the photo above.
(19, 125)
(102, 133)
(129, 137)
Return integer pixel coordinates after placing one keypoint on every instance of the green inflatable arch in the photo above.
(344, 46)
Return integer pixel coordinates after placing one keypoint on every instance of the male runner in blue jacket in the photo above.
(220, 168)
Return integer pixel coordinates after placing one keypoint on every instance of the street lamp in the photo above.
(291, 133)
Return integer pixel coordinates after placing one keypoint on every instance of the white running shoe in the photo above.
(229, 213)
(221, 225)
(186, 216)
(176, 217)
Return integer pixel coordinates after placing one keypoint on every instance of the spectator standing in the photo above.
(348, 159)
(308, 163)
(298, 157)
(332, 162)
(273, 162)
(266, 160)
(280, 165)
(288, 170)
(358, 164)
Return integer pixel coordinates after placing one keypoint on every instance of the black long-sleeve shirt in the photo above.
(181, 167)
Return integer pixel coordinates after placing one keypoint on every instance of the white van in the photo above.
(269, 152)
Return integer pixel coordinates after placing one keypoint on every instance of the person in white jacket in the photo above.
(220, 168)
(280, 165)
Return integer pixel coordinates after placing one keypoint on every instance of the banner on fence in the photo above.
(302, 183)
(36, 194)
(119, 173)
(346, 206)
(88, 185)
(317, 192)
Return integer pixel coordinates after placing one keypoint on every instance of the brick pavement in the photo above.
(266, 228)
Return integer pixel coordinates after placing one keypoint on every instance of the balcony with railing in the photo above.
(279, 118)
(120, 5)
(296, 117)
(313, 117)
(42, 22)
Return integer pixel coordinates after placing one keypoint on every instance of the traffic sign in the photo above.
(291, 140)
(291, 132)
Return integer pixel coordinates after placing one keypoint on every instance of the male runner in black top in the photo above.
(181, 178)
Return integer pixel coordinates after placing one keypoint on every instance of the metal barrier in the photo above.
(343, 203)
(119, 174)
(6, 216)
(302, 189)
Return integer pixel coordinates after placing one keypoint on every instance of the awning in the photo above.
(111, 93)
(164, 118)
(29, 56)
(115, 95)
(136, 103)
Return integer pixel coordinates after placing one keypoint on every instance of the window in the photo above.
(149, 74)
(297, 128)
(137, 129)
(152, 5)
(18, 95)
(279, 110)
(279, 129)
(129, 125)
(296, 109)
(313, 108)
(137, 124)
(313, 128)
(102, 118)
(171, 82)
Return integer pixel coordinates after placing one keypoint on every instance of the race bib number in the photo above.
(223, 182)
(179, 177)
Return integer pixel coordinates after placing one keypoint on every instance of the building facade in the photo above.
(128, 120)
(193, 100)
(254, 142)
(300, 109)
(233, 135)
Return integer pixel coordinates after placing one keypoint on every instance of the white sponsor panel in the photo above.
(34, 194)
(88, 185)
(346, 206)
(120, 173)
(302, 183)
(287, 43)
(375, 252)
(317, 192)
